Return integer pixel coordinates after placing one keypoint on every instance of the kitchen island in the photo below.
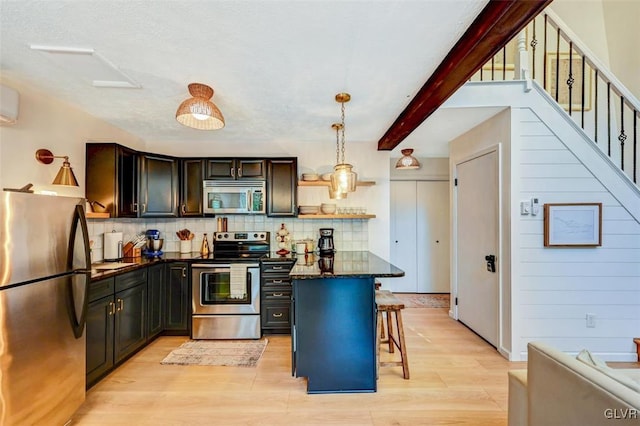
(334, 320)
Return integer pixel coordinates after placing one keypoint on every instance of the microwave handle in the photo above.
(249, 200)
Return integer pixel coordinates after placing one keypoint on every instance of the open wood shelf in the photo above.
(336, 216)
(327, 183)
(94, 215)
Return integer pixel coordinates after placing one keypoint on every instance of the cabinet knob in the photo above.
(184, 272)
(183, 208)
(112, 308)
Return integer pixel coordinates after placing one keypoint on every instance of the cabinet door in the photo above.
(247, 168)
(99, 334)
(282, 191)
(156, 299)
(158, 186)
(130, 321)
(127, 183)
(177, 305)
(191, 177)
(221, 168)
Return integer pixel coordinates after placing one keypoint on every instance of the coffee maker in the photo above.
(325, 243)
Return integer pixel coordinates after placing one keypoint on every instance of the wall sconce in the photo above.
(407, 161)
(65, 175)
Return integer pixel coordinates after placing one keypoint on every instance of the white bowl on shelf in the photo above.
(326, 177)
(310, 177)
(328, 208)
(308, 209)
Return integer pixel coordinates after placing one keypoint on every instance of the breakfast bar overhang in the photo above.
(333, 334)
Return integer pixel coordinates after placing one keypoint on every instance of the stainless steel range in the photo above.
(226, 291)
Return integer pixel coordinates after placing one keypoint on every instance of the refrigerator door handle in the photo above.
(78, 321)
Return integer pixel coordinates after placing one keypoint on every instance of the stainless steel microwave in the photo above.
(233, 197)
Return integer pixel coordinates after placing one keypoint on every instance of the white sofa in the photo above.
(563, 390)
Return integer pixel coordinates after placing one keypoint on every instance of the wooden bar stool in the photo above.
(392, 308)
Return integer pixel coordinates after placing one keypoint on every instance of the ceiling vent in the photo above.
(9, 105)
(88, 64)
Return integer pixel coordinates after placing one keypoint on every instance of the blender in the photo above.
(154, 243)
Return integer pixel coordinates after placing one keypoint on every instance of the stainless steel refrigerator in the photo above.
(45, 270)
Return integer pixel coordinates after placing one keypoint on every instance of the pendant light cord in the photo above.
(342, 120)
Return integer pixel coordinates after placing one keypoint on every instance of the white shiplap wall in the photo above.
(552, 289)
(559, 286)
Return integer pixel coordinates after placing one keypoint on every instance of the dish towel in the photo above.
(238, 281)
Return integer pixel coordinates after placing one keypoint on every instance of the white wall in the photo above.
(610, 29)
(554, 288)
(44, 122)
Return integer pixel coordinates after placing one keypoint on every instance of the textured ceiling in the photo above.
(275, 66)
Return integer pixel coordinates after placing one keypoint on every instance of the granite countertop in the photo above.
(343, 264)
(141, 262)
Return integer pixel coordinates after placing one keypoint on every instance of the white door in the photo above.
(403, 236)
(432, 230)
(477, 237)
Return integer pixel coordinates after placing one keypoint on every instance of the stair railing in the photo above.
(572, 75)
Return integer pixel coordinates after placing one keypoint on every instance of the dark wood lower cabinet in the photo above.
(128, 310)
(116, 321)
(275, 296)
(130, 327)
(178, 313)
(156, 297)
(99, 334)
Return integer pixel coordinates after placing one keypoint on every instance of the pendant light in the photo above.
(407, 161)
(343, 178)
(198, 111)
(337, 194)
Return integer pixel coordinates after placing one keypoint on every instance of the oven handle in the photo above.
(218, 266)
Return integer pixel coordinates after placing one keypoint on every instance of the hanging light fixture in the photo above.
(65, 175)
(337, 194)
(198, 111)
(343, 178)
(407, 161)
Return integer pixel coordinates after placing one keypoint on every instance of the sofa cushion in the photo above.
(618, 375)
(590, 359)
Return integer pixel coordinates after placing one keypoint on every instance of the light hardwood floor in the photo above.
(456, 378)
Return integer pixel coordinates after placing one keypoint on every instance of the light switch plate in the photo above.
(525, 207)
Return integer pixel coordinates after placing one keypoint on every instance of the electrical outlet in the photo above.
(525, 207)
(591, 320)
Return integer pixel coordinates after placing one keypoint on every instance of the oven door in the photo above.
(232, 288)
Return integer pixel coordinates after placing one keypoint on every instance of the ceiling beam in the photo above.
(498, 23)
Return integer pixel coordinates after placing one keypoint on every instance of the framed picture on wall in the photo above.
(562, 69)
(573, 225)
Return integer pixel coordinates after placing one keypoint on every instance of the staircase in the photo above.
(550, 54)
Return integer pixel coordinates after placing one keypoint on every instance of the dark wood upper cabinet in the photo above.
(191, 176)
(158, 186)
(282, 186)
(235, 168)
(112, 178)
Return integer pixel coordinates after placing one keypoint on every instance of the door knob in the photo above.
(491, 262)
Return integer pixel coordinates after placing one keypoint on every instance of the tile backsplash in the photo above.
(349, 234)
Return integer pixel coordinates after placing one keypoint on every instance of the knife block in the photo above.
(130, 251)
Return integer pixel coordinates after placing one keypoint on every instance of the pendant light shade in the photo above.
(65, 175)
(407, 161)
(199, 112)
(335, 192)
(343, 178)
